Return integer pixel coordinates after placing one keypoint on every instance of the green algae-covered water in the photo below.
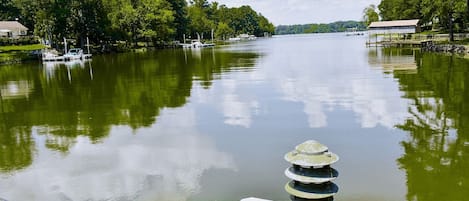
(214, 124)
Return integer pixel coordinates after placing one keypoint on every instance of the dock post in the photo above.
(65, 43)
(311, 174)
(88, 44)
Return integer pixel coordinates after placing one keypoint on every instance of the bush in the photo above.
(25, 40)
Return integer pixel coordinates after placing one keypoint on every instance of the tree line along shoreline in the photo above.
(339, 26)
(128, 23)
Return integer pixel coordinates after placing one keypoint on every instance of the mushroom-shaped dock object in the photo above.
(311, 176)
(311, 154)
(312, 192)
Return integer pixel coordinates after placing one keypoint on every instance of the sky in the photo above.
(288, 12)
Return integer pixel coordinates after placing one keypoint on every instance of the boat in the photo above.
(49, 55)
(242, 37)
(235, 39)
(72, 54)
(197, 44)
(76, 54)
(247, 37)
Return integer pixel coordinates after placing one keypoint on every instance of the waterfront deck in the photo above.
(399, 43)
(411, 41)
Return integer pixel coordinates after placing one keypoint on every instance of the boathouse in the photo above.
(394, 27)
(12, 29)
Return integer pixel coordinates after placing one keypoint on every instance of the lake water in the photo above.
(214, 124)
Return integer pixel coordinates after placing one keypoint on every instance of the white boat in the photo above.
(247, 37)
(72, 54)
(76, 54)
(242, 37)
(51, 56)
(197, 44)
(234, 39)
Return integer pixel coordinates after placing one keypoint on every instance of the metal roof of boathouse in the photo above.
(396, 23)
(394, 27)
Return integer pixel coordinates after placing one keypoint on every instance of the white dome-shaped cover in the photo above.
(311, 154)
(311, 147)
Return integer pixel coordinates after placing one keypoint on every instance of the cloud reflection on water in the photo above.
(374, 101)
(165, 162)
(361, 88)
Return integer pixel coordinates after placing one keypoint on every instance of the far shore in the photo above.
(22, 53)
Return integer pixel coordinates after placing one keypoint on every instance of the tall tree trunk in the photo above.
(451, 31)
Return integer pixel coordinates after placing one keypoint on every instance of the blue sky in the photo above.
(283, 12)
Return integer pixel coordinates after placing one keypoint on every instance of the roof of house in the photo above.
(397, 23)
(12, 26)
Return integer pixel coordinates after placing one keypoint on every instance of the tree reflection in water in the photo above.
(63, 102)
(436, 152)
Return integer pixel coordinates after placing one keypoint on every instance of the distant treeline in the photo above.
(340, 26)
(132, 21)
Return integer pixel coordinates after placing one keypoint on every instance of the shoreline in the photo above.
(458, 49)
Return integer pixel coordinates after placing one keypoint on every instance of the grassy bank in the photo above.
(18, 53)
(21, 48)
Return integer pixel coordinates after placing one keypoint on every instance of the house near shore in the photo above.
(12, 29)
(394, 27)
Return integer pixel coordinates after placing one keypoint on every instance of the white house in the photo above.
(12, 29)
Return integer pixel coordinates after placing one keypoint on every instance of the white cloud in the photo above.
(305, 11)
(374, 101)
(164, 162)
(237, 109)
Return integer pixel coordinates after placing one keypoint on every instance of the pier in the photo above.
(398, 43)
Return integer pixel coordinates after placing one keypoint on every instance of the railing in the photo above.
(440, 37)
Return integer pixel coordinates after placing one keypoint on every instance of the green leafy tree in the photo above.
(124, 19)
(156, 20)
(400, 9)
(339, 26)
(223, 30)
(265, 26)
(245, 20)
(8, 11)
(181, 22)
(370, 15)
(61, 13)
(88, 19)
(27, 11)
(129, 20)
(44, 21)
(445, 14)
(199, 23)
